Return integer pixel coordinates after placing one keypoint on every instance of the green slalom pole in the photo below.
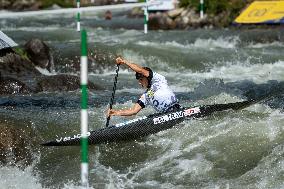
(84, 110)
(146, 17)
(78, 16)
(201, 8)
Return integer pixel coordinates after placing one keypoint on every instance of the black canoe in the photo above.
(146, 125)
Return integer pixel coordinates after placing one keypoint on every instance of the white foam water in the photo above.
(210, 44)
(258, 73)
(17, 178)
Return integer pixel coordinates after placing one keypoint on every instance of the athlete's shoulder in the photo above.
(158, 77)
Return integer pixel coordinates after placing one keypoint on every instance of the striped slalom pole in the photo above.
(84, 110)
(146, 17)
(78, 16)
(78, 22)
(201, 8)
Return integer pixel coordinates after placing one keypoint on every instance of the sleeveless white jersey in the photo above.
(159, 95)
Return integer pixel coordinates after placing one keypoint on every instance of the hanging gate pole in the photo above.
(201, 9)
(78, 16)
(84, 110)
(146, 17)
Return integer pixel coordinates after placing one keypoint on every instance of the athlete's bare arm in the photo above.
(134, 67)
(128, 112)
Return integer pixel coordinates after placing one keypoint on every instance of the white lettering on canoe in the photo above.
(130, 121)
(191, 111)
(176, 115)
(71, 137)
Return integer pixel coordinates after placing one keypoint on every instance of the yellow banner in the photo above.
(262, 12)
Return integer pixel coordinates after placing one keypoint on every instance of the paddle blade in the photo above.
(107, 122)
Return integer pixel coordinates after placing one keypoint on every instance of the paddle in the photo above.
(113, 93)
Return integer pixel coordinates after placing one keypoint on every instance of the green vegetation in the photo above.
(214, 7)
(62, 3)
(21, 52)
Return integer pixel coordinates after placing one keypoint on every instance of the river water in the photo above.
(233, 149)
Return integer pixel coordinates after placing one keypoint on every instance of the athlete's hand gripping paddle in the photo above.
(113, 93)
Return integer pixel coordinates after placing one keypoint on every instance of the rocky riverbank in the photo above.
(20, 75)
(32, 5)
(183, 18)
(217, 14)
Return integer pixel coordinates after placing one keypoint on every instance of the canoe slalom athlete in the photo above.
(158, 94)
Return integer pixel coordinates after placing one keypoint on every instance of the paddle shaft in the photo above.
(113, 93)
